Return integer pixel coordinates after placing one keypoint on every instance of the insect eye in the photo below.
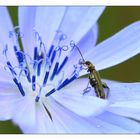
(87, 63)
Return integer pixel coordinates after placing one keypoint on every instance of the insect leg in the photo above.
(87, 89)
(105, 86)
(97, 91)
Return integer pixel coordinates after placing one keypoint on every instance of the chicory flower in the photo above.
(39, 87)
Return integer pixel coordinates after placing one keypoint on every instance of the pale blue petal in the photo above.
(5, 27)
(123, 91)
(87, 43)
(72, 97)
(8, 109)
(25, 114)
(8, 88)
(35, 119)
(9, 99)
(95, 33)
(88, 20)
(66, 121)
(118, 48)
(26, 19)
(132, 104)
(124, 98)
(77, 21)
(129, 109)
(43, 122)
(5, 75)
(127, 124)
(107, 128)
(47, 22)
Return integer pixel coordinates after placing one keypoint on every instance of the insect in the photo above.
(94, 79)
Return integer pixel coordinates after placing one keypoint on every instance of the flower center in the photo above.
(41, 74)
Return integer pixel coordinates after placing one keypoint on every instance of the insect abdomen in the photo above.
(96, 83)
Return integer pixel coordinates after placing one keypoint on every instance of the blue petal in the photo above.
(5, 76)
(124, 98)
(33, 119)
(86, 22)
(66, 121)
(123, 91)
(9, 99)
(5, 27)
(78, 21)
(44, 123)
(72, 98)
(107, 128)
(26, 19)
(118, 48)
(127, 124)
(48, 20)
(25, 114)
(129, 109)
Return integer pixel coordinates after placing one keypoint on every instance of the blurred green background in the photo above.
(113, 19)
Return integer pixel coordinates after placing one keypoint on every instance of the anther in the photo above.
(19, 55)
(35, 53)
(50, 51)
(67, 81)
(54, 71)
(50, 92)
(46, 78)
(53, 57)
(37, 98)
(19, 86)
(33, 82)
(11, 68)
(64, 83)
(27, 74)
(21, 59)
(62, 65)
(39, 64)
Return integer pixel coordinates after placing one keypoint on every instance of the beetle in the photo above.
(94, 79)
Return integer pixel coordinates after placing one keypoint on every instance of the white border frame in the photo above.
(69, 2)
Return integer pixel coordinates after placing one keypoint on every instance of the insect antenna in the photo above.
(80, 52)
(73, 44)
